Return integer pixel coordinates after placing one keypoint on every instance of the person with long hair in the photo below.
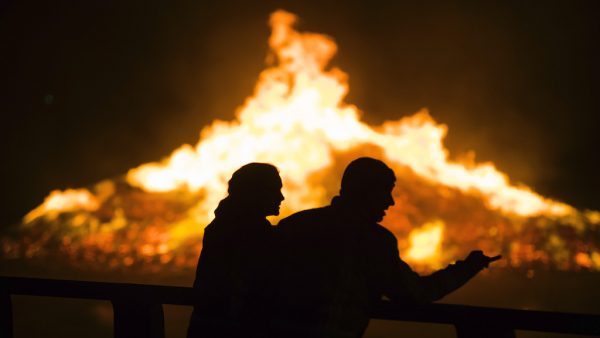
(232, 276)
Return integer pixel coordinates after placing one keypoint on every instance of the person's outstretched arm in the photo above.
(402, 284)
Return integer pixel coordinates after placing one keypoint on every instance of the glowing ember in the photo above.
(587, 260)
(297, 119)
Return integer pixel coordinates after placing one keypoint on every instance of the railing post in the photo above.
(135, 319)
(472, 330)
(6, 317)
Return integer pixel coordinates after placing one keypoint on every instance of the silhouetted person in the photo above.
(338, 261)
(232, 277)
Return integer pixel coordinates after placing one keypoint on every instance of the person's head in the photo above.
(258, 185)
(367, 184)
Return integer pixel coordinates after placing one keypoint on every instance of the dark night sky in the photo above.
(91, 89)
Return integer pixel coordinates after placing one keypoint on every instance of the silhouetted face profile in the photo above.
(257, 186)
(367, 184)
(270, 197)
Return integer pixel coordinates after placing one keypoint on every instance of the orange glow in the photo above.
(588, 261)
(583, 259)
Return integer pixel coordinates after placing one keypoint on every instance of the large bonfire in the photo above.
(152, 218)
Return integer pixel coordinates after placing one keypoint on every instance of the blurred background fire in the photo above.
(143, 222)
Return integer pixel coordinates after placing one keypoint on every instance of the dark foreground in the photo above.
(86, 308)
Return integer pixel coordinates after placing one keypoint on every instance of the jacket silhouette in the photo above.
(233, 273)
(337, 261)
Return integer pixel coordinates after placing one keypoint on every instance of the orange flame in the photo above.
(63, 201)
(297, 119)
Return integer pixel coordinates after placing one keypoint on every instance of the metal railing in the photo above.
(138, 310)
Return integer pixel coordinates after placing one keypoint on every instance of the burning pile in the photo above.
(152, 219)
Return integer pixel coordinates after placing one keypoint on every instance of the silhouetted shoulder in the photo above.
(305, 217)
(384, 232)
(384, 238)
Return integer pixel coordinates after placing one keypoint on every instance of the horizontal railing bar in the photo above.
(531, 320)
(528, 320)
(176, 295)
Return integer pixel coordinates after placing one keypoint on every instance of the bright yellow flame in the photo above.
(426, 242)
(63, 201)
(297, 117)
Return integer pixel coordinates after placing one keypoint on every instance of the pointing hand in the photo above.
(477, 258)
